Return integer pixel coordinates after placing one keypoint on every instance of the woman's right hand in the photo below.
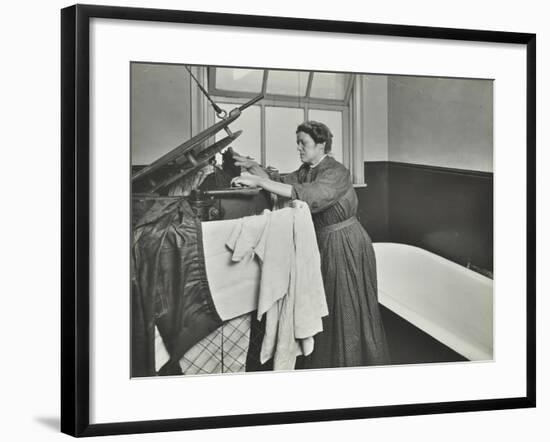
(246, 180)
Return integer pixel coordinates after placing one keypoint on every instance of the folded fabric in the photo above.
(271, 264)
(247, 236)
(294, 319)
(222, 351)
(310, 304)
(277, 254)
(234, 285)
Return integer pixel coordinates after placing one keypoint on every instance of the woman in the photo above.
(353, 333)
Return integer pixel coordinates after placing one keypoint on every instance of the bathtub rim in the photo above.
(439, 258)
(454, 341)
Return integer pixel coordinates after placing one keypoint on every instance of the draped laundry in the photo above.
(169, 286)
(271, 265)
(186, 281)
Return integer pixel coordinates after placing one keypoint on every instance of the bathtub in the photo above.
(446, 300)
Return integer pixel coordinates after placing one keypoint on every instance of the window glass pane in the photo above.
(290, 83)
(239, 80)
(333, 120)
(280, 127)
(249, 142)
(328, 85)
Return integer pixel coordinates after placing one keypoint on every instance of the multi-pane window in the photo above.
(239, 80)
(329, 86)
(290, 97)
(280, 131)
(249, 142)
(287, 83)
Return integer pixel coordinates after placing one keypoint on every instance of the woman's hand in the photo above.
(247, 180)
(246, 162)
(249, 164)
(297, 204)
(250, 180)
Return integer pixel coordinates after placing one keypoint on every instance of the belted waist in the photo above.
(337, 226)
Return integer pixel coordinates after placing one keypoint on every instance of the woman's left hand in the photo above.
(246, 180)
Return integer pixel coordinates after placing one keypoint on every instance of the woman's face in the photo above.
(310, 152)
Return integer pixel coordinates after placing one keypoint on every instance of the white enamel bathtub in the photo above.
(449, 302)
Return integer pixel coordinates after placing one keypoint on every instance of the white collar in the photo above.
(317, 163)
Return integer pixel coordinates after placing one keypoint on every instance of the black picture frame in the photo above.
(75, 212)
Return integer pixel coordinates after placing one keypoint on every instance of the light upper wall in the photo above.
(375, 117)
(432, 121)
(160, 110)
(441, 122)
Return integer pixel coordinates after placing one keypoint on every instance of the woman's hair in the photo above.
(318, 131)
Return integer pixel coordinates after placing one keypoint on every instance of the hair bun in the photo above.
(318, 131)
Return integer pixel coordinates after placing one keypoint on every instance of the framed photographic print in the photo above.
(272, 220)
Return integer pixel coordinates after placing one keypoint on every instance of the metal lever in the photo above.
(236, 113)
(238, 110)
(233, 191)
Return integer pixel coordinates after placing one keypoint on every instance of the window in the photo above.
(328, 88)
(249, 142)
(289, 83)
(290, 97)
(328, 85)
(239, 80)
(280, 132)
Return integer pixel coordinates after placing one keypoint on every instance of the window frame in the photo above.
(213, 91)
(352, 146)
(237, 98)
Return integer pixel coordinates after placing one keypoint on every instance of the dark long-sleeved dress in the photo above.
(353, 333)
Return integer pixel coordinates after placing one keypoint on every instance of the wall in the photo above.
(446, 211)
(375, 117)
(160, 110)
(441, 122)
(444, 122)
(373, 210)
(429, 179)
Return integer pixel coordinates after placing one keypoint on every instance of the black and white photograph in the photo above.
(271, 220)
(290, 219)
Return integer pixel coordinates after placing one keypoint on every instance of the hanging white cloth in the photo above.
(269, 263)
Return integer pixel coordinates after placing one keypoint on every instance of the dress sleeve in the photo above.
(327, 188)
(290, 178)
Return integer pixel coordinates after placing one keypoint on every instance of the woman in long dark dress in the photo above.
(353, 333)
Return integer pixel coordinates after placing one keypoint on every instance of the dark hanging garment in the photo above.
(169, 287)
(353, 333)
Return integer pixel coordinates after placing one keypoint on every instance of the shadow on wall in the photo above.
(446, 211)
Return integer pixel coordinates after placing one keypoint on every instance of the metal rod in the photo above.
(251, 102)
(233, 191)
(214, 105)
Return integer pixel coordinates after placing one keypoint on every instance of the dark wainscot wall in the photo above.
(446, 211)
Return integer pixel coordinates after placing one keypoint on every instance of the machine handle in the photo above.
(251, 102)
(234, 191)
(238, 110)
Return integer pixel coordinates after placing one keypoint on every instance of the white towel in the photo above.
(280, 250)
(294, 319)
(234, 285)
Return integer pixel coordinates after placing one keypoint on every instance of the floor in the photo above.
(410, 345)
